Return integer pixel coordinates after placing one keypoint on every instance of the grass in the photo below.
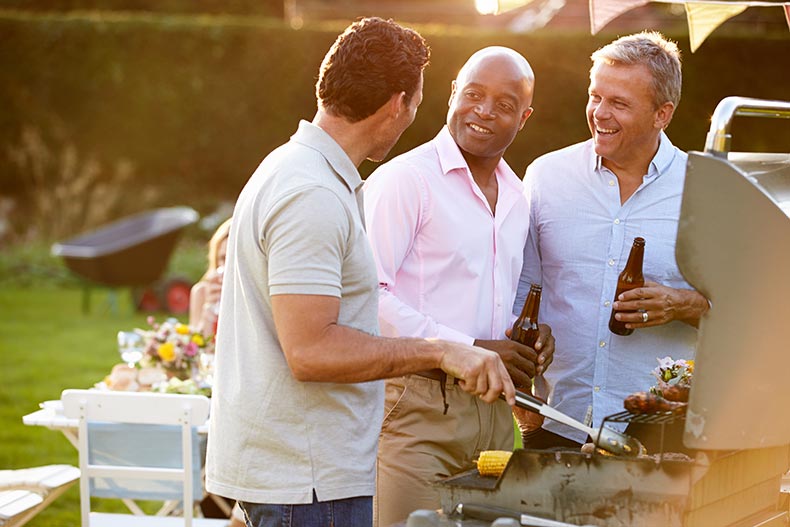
(48, 344)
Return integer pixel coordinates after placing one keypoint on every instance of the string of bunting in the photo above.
(703, 16)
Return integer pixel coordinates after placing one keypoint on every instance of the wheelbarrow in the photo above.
(133, 252)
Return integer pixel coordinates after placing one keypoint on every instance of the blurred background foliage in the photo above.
(147, 103)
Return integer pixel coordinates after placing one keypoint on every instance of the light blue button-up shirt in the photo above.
(579, 241)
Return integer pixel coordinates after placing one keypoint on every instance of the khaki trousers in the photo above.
(419, 445)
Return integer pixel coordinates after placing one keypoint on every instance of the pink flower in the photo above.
(191, 349)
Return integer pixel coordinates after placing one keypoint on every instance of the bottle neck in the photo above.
(533, 306)
(635, 259)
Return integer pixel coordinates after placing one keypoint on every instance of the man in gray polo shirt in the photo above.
(298, 402)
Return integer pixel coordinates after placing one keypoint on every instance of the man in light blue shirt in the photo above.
(588, 202)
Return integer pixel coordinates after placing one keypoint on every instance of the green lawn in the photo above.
(48, 344)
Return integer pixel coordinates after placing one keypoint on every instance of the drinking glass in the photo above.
(206, 368)
(131, 347)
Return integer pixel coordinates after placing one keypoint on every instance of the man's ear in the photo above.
(397, 104)
(453, 86)
(664, 115)
(525, 116)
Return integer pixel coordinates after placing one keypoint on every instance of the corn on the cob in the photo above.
(492, 462)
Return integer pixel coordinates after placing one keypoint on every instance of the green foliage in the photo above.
(179, 109)
(246, 7)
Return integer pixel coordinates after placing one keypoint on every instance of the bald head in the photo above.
(506, 58)
(490, 102)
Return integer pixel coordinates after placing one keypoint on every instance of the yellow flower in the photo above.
(167, 351)
(690, 364)
(198, 339)
(182, 329)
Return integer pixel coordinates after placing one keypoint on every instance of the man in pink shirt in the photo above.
(447, 222)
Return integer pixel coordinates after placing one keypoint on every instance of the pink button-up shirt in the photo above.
(448, 268)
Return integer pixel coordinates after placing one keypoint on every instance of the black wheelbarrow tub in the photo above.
(133, 251)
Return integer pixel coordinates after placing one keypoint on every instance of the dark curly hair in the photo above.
(368, 63)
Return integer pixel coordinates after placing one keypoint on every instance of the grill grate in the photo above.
(659, 418)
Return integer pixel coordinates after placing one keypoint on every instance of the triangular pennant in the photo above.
(704, 18)
(604, 11)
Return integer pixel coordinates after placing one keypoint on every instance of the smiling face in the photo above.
(489, 104)
(621, 114)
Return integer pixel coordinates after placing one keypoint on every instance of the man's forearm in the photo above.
(346, 355)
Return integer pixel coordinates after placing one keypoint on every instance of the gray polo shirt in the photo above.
(296, 229)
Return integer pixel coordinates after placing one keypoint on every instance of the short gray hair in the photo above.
(653, 50)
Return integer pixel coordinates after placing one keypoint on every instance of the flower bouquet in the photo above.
(673, 379)
(174, 347)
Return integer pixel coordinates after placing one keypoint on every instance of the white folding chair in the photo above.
(124, 439)
(26, 492)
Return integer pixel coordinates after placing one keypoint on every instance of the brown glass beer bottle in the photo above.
(525, 328)
(630, 278)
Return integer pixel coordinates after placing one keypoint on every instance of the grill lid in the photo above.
(734, 246)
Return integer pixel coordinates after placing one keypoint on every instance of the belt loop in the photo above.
(442, 386)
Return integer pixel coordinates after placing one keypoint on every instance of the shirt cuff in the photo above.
(452, 335)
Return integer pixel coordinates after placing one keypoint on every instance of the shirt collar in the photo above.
(314, 137)
(451, 158)
(663, 158)
(658, 165)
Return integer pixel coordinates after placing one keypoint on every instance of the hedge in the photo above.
(179, 109)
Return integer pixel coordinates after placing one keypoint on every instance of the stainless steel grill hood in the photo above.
(734, 246)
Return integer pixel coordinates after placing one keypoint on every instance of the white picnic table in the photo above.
(50, 415)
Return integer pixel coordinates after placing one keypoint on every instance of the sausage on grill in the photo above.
(648, 403)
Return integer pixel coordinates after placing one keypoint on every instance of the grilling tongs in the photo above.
(604, 438)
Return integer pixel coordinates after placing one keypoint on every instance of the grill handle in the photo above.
(719, 137)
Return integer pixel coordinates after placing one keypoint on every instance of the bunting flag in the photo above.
(604, 11)
(704, 18)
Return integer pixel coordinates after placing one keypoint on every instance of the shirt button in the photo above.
(611, 182)
(611, 262)
(617, 221)
(602, 344)
(607, 303)
(597, 388)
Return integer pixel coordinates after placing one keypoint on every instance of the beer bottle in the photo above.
(525, 329)
(630, 278)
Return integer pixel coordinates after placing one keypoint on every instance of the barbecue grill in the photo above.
(734, 246)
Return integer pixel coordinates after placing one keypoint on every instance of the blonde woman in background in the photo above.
(204, 298)
(203, 308)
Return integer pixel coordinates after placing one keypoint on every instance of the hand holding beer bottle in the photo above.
(525, 331)
(630, 278)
